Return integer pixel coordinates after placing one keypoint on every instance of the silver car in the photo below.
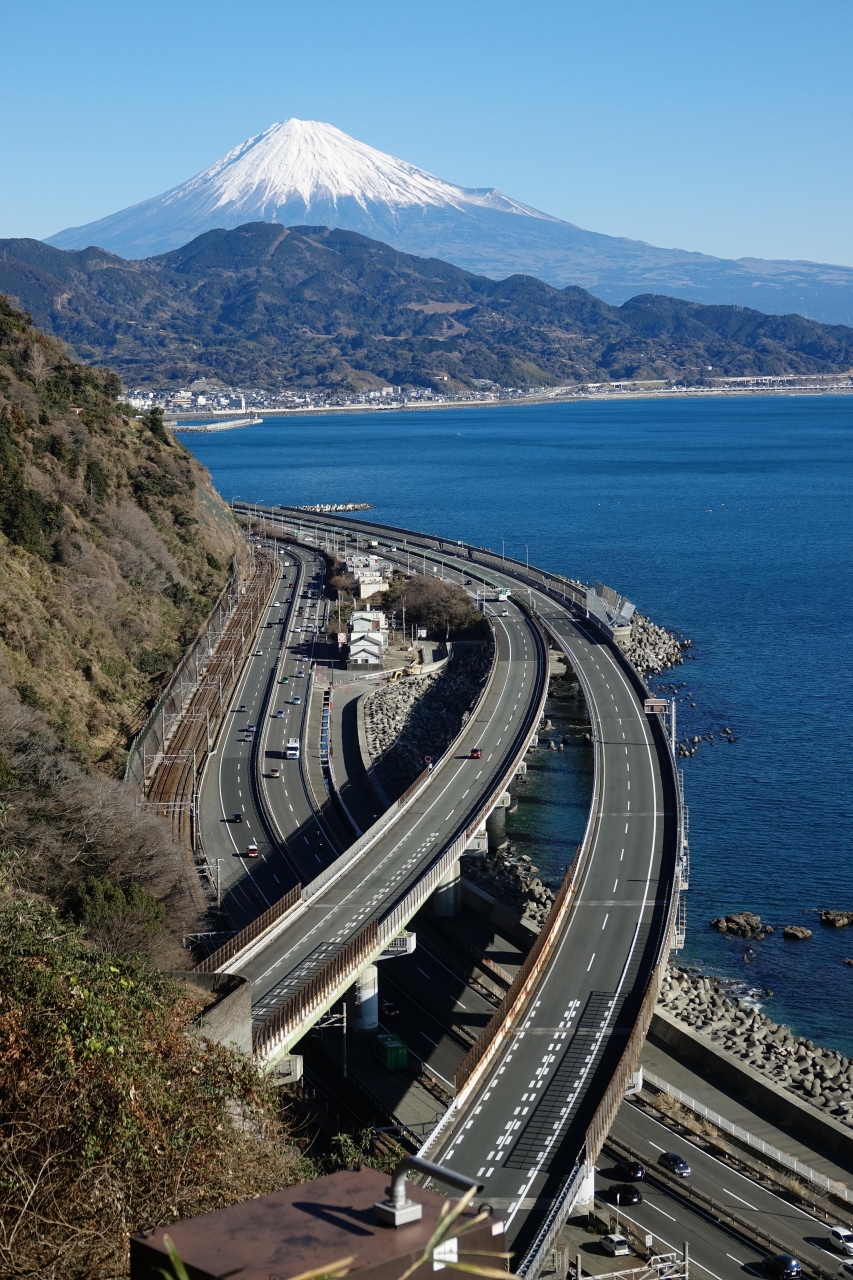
(841, 1238)
(615, 1245)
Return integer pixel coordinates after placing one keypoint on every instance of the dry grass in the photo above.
(112, 1119)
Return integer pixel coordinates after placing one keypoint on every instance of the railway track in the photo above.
(171, 787)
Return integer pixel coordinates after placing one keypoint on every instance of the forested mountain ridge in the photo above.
(308, 173)
(265, 305)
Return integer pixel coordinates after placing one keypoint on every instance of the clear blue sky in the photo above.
(720, 126)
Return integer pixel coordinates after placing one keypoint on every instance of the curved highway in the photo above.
(244, 758)
(370, 887)
(522, 1128)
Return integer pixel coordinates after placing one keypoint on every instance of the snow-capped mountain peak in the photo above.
(315, 163)
(298, 171)
(303, 172)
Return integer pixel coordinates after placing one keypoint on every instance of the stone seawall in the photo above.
(805, 1088)
(417, 716)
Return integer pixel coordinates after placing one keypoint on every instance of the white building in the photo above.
(365, 650)
(370, 572)
(368, 637)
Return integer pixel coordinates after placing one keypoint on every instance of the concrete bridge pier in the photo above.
(367, 1000)
(586, 1192)
(446, 899)
(513, 794)
(496, 823)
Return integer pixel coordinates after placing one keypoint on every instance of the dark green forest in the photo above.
(306, 307)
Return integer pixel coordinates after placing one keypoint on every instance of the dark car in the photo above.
(782, 1265)
(626, 1193)
(675, 1163)
(630, 1170)
(238, 817)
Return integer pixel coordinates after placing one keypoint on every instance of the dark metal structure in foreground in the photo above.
(314, 1227)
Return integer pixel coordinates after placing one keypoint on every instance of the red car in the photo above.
(476, 753)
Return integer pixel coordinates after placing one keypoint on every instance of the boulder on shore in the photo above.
(709, 1007)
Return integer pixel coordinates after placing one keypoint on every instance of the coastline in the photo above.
(682, 393)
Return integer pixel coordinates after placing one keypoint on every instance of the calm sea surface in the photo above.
(729, 522)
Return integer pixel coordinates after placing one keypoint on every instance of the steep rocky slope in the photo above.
(113, 547)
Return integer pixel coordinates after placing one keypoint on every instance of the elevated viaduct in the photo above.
(537, 1094)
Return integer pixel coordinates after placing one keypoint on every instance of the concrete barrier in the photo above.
(504, 917)
(227, 1015)
(822, 1133)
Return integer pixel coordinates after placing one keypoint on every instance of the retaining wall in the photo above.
(823, 1133)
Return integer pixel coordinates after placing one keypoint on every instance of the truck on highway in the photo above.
(292, 750)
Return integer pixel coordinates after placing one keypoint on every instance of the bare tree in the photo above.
(40, 365)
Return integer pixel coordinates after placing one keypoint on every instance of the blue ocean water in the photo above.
(728, 521)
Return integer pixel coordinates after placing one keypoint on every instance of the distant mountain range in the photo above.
(266, 305)
(304, 172)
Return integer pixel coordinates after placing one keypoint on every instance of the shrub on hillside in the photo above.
(112, 1118)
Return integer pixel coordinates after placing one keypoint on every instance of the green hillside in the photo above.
(265, 305)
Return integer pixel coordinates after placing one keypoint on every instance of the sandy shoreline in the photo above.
(608, 397)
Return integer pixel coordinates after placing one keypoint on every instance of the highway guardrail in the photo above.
(272, 1036)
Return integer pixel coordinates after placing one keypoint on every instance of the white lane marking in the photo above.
(606, 918)
(589, 966)
(737, 1197)
(677, 1248)
(541, 1157)
(660, 1210)
(323, 923)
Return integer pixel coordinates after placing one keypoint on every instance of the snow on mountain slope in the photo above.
(300, 171)
(305, 172)
(316, 163)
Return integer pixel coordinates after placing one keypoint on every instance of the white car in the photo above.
(841, 1238)
(615, 1245)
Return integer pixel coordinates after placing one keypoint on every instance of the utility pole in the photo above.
(344, 1027)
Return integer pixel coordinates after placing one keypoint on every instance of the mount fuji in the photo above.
(302, 172)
